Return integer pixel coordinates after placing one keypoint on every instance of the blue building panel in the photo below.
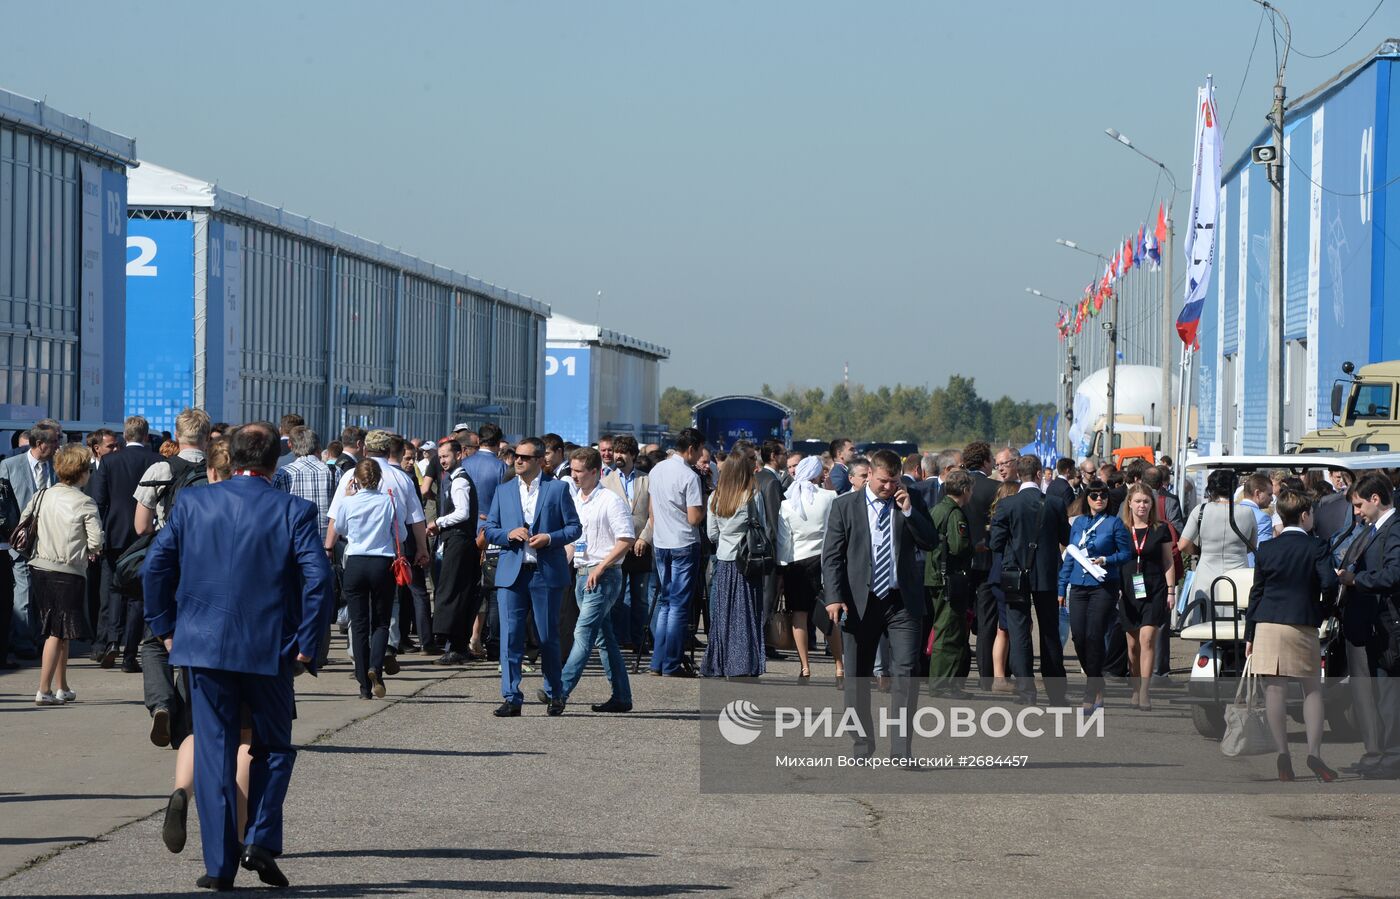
(1297, 196)
(1227, 274)
(567, 379)
(1254, 351)
(160, 308)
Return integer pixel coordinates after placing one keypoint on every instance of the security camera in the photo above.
(1263, 154)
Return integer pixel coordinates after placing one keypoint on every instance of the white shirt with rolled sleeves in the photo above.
(461, 499)
(396, 482)
(674, 489)
(605, 519)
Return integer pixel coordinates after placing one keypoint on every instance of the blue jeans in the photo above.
(528, 592)
(595, 628)
(676, 569)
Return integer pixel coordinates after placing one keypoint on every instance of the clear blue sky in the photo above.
(770, 189)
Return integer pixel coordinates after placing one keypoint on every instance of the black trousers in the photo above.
(369, 592)
(121, 619)
(458, 591)
(1046, 608)
(414, 606)
(1090, 610)
(861, 635)
(7, 603)
(984, 609)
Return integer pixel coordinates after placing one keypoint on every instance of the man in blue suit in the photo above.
(534, 519)
(238, 586)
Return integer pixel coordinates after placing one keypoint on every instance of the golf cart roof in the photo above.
(1299, 462)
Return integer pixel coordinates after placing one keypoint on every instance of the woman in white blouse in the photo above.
(801, 530)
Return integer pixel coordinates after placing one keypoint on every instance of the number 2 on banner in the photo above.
(141, 267)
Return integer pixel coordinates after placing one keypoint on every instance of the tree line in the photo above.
(944, 416)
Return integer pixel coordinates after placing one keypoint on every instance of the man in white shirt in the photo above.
(676, 514)
(606, 538)
(455, 528)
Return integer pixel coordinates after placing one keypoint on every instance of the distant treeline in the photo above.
(945, 416)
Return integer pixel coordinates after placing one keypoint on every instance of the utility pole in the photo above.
(1111, 326)
(1274, 418)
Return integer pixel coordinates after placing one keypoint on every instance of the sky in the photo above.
(772, 190)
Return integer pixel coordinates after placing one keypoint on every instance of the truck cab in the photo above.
(1364, 412)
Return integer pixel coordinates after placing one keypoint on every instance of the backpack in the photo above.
(126, 572)
(757, 557)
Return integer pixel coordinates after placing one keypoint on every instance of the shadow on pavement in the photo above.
(55, 797)
(490, 887)
(394, 750)
(488, 855)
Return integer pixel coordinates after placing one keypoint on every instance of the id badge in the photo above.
(1139, 586)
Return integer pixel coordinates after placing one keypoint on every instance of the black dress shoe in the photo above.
(391, 663)
(160, 727)
(612, 705)
(542, 696)
(556, 708)
(173, 831)
(108, 656)
(259, 860)
(430, 649)
(507, 710)
(451, 658)
(131, 666)
(210, 882)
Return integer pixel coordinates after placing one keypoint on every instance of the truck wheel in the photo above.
(1209, 720)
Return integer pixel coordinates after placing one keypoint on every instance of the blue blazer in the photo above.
(555, 515)
(1110, 540)
(240, 576)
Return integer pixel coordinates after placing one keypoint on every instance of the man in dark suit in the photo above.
(875, 587)
(842, 452)
(1062, 486)
(1371, 578)
(773, 454)
(238, 586)
(533, 518)
(1028, 530)
(977, 460)
(284, 427)
(352, 442)
(120, 621)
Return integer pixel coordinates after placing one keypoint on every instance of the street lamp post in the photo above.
(1066, 377)
(1168, 430)
(1111, 328)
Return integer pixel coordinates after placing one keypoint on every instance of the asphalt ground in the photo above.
(427, 794)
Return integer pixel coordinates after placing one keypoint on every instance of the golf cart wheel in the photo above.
(1209, 720)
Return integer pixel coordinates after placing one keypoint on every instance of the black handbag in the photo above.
(1017, 578)
(24, 540)
(756, 557)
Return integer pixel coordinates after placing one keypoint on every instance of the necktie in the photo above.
(883, 577)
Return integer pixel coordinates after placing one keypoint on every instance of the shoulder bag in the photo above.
(403, 573)
(1246, 727)
(25, 538)
(757, 557)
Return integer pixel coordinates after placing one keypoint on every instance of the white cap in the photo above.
(428, 444)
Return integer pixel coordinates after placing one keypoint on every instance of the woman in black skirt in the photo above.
(1148, 580)
(69, 536)
(801, 530)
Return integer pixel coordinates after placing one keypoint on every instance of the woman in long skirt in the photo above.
(735, 647)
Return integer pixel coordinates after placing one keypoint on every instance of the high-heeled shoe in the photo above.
(841, 681)
(1318, 767)
(1285, 768)
(805, 674)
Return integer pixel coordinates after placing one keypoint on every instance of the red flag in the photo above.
(1113, 266)
(1127, 255)
(1161, 231)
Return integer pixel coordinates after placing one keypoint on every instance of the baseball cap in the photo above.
(428, 444)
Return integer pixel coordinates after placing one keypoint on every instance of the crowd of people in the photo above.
(529, 554)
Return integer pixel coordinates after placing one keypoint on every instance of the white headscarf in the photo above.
(804, 483)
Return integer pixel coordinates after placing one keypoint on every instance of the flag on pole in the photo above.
(1205, 205)
(1127, 255)
(1161, 231)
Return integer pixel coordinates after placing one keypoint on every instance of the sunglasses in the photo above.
(524, 457)
(1098, 494)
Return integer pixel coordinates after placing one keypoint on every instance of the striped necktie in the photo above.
(883, 577)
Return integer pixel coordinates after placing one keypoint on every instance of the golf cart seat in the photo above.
(1226, 600)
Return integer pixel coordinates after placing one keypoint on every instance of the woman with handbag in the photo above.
(1292, 572)
(1103, 540)
(373, 536)
(1149, 587)
(66, 534)
(735, 636)
(801, 530)
(1222, 533)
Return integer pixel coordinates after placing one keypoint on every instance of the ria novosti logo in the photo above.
(740, 722)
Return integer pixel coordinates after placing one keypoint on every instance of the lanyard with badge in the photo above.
(1139, 582)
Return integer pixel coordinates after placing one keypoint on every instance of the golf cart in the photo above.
(1217, 624)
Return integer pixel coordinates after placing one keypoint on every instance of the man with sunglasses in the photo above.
(533, 518)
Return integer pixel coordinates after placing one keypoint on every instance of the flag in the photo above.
(1205, 205)
(1161, 232)
(1127, 255)
(1153, 253)
(1113, 266)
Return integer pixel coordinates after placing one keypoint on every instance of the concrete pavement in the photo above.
(431, 795)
